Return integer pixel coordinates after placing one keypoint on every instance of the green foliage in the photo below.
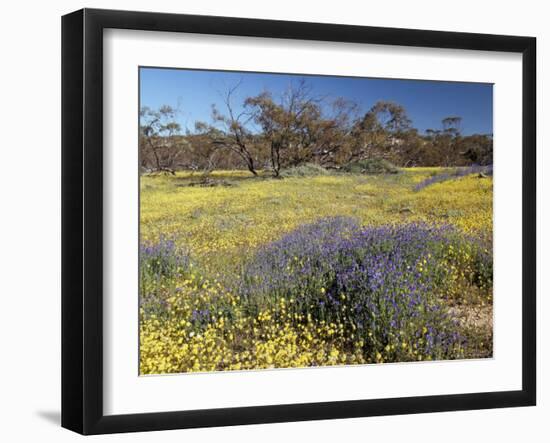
(371, 166)
(305, 170)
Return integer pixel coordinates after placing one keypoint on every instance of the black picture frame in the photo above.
(82, 218)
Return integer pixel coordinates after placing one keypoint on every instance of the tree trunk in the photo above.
(274, 160)
(250, 165)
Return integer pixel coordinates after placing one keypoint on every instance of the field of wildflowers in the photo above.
(339, 268)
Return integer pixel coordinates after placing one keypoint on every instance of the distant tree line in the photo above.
(272, 133)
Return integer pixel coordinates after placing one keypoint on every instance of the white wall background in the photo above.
(30, 219)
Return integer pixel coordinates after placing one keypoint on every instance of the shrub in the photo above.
(160, 264)
(383, 285)
(454, 174)
(371, 166)
(305, 170)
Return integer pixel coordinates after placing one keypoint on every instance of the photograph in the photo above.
(299, 221)
(275, 222)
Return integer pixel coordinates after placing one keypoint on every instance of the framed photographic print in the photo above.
(270, 221)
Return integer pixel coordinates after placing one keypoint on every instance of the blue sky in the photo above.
(427, 102)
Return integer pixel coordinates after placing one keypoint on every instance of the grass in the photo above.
(215, 220)
(196, 320)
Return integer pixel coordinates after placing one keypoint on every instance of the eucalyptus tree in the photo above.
(230, 130)
(160, 143)
(298, 126)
